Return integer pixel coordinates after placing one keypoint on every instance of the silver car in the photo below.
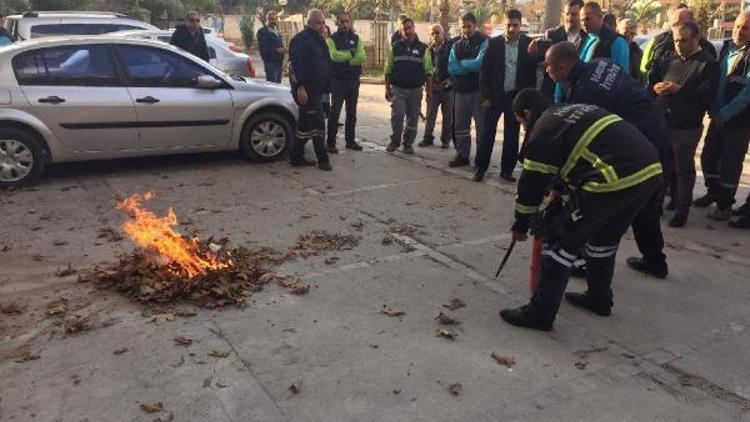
(103, 97)
(219, 51)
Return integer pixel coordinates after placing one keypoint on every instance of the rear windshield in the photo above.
(55, 29)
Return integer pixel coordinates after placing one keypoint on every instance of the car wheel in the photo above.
(266, 136)
(22, 157)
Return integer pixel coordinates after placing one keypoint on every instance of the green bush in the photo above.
(247, 29)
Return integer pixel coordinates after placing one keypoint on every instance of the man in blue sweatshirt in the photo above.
(464, 64)
(729, 132)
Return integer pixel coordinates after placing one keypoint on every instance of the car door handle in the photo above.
(148, 99)
(54, 99)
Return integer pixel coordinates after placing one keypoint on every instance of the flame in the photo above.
(155, 233)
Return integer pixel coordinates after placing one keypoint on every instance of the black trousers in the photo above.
(310, 125)
(511, 128)
(343, 91)
(684, 142)
(604, 220)
(722, 159)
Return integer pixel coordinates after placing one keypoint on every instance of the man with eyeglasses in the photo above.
(271, 48)
(440, 95)
(189, 36)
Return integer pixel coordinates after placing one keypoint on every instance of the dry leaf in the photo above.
(57, 307)
(11, 309)
(183, 341)
(455, 388)
(161, 319)
(581, 365)
(454, 304)
(218, 354)
(449, 334)
(186, 312)
(120, 351)
(179, 363)
(393, 312)
(296, 386)
(507, 361)
(447, 319)
(28, 358)
(155, 407)
(69, 270)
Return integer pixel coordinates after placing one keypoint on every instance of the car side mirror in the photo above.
(211, 53)
(207, 82)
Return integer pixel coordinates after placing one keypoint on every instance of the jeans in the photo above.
(405, 104)
(273, 71)
(510, 136)
(343, 91)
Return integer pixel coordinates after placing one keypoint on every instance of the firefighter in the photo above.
(606, 84)
(611, 171)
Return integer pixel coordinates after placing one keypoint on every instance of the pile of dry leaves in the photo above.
(141, 276)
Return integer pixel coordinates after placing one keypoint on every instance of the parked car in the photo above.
(221, 54)
(103, 97)
(46, 24)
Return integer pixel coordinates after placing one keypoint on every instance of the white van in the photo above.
(46, 24)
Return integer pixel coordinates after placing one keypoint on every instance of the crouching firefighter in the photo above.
(609, 169)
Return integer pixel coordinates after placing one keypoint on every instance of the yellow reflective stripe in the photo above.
(607, 171)
(588, 136)
(526, 209)
(636, 178)
(537, 166)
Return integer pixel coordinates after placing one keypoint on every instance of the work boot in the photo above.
(742, 211)
(407, 149)
(508, 177)
(391, 147)
(325, 166)
(679, 219)
(582, 300)
(445, 144)
(426, 143)
(522, 317)
(332, 149)
(354, 146)
(641, 265)
(303, 163)
(458, 161)
(741, 223)
(720, 214)
(578, 270)
(478, 176)
(704, 201)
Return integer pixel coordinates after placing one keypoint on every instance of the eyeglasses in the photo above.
(194, 20)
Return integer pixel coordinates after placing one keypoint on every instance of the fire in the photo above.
(155, 233)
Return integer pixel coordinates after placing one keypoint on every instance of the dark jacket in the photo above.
(308, 62)
(636, 54)
(470, 49)
(268, 43)
(605, 84)
(492, 75)
(660, 49)
(194, 45)
(555, 35)
(407, 64)
(699, 77)
(441, 78)
(345, 42)
(588, 148)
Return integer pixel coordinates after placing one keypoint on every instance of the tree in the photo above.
(646, 12)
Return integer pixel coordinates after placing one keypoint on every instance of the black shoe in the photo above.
(578, 271)
(521, 317)
(741, 223)
(671, 205)
(742, 211)
(408, 149)
(303, 163)
(426, 143)
(478, 176)
(640, 264)
(704, 201)
(391, 147)
(354, 146)
(508, 177)
(325, 166)
(445, 145)
(458, 161)
(332, 149)
(678, 219)
(582, 300)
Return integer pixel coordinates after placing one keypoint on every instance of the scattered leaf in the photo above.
(581, 365)
(120, 351)
(76, 324)
(396, 391)
(11, 308)
(296, 386)
(507, 361)
(331, 261)
(69, 270)
(449, 334)
(161, 319)
(583, 354)
(59, 243)
(178, 363)
(454, 304)
(57, 307)
(183, 341)
(446, 319)
(28, 358)
(455, 388)
(218, 354)
(187, 311)
(393, 312)
(155, 407)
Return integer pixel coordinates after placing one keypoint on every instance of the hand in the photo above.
(486, 103)
(533, 47)
(673, 88)
(302, 95)
(388, 94)
(659, 88)
(520, 237)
